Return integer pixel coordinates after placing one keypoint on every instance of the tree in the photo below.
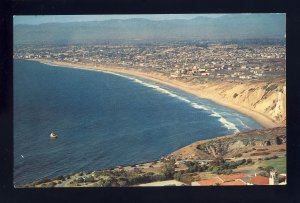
(217, 161)
(249, 161)
(269, 168)
(182, 177)
(169, 169)
(104, 182)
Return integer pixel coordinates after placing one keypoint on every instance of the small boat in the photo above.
(53, 136)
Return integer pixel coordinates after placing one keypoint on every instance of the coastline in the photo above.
(188, 87)
(233, 148)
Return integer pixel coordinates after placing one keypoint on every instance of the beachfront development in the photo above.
(189, 61)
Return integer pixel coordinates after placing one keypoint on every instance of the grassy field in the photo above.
(279, 164)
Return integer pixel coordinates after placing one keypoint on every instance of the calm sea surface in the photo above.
(103, 120)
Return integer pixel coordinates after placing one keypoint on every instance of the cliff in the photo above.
(264, 102)
(252, 144)
(265, 98)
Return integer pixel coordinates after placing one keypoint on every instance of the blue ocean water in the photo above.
(104, 120)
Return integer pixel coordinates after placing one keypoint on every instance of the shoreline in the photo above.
(191, 152)
(188, 87)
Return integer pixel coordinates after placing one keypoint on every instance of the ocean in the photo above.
(104, 120)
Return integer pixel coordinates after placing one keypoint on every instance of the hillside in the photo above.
(266, 98)
(254, 144)
(141, 30)
(256, 151)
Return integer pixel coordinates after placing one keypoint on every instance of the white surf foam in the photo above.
(243, 124)
(221, 119)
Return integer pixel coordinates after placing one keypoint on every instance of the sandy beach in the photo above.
(204, 91)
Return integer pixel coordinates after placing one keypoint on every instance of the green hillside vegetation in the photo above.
(278, 164)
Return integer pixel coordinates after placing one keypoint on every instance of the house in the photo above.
(237, 182)
(241, 179)
(233, 176)
(258, 180)
(208, 182)
(163, 183)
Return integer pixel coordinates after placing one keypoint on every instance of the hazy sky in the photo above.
(34, 20)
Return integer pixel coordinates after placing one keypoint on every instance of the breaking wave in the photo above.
(243, 124)
(227, 124)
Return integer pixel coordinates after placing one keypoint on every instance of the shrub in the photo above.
(169, 169)
(160, 177)
(185, 178)
(238, 155)
(216, 169)
(194, 168)
(260, 168)
(51, 184)
(104, 183)
(233, 164)
(137, 170)
(274, 157)
(61, 178)
(89, 179)
(42, 181)
(249, 161)
(80, 180)
(259, 153)
(226, 172)
(266, 169)
(269, 168)
(240, 162)
(144, 178)
(122, 183)
(261, 150)
(264, 173)
(217, 161)
(178, 175)
(210, 168)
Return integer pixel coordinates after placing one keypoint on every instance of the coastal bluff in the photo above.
(251, 144)
(265, 98)
(263, 101)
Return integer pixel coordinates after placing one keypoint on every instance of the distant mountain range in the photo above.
(232, 26)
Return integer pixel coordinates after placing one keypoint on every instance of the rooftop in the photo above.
(233, 176)
(234, 183)
(210, 182)
(259, 180)
(163, 183)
